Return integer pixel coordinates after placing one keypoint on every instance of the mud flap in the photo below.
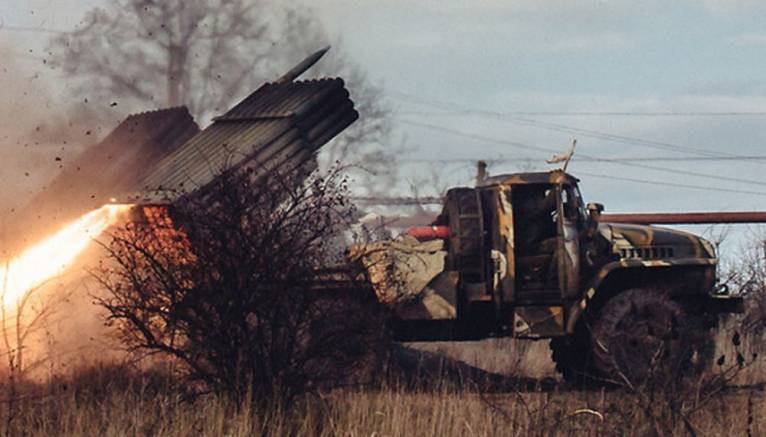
(538, 321)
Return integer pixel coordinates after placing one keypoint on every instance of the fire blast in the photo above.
(51, 257)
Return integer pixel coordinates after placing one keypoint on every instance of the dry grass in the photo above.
(113, 401)
(118, 401)
(389, 412)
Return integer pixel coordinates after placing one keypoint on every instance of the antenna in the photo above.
(570, 154)
(565, 158)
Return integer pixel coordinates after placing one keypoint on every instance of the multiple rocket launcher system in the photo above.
(155, 157)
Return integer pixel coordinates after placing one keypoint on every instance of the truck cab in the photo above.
(515, 243)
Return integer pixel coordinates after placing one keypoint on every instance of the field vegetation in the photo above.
(117, 400)
(223, 339)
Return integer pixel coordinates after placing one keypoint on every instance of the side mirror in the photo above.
(595, 210)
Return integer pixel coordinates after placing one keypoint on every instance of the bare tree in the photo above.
(197, 53)
(745, 275)
(23, 318)
(232, 286)
(20, 320)
(207, 54)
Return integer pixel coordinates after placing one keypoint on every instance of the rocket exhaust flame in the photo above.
(52, 256)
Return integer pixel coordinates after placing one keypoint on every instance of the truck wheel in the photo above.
(642, 336)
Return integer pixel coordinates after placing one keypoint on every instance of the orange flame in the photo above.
(54, 255)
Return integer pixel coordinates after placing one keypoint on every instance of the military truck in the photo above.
(522, 255)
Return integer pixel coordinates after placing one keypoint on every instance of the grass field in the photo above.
(117, 411)
(116, 401)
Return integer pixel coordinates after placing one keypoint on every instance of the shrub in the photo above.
(231, 283)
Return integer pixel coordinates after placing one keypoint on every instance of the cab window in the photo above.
(571, 203)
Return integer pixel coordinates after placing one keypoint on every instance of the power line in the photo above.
(601, 135)
(615, 113)
(508, 116)
(671, 184)
(433, 200)
(477, 136)
(634, 114)
(618, 138)
(531, 147)
(683, 158)
(607, 160)
(687, 172)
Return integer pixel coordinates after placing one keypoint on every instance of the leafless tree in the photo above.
(233, 286)
(745, 275)
(197, 53)
(22, 319)
(207, 54)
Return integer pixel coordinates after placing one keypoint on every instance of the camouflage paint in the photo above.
(506, 245)
(642, 247)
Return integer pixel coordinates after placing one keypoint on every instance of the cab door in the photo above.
(569, 221)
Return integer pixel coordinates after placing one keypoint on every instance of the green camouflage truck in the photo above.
(523, 256)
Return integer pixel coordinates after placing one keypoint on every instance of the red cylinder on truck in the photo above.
(429, 232)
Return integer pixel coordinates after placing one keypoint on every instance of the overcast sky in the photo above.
(502, 80)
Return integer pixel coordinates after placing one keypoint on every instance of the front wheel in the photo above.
(642, 336)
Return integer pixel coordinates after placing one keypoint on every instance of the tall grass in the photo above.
(114, 401)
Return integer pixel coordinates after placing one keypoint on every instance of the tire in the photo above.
(643, 337)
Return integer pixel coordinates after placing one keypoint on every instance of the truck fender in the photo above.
(593, 288)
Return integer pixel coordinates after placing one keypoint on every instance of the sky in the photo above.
(514, 81)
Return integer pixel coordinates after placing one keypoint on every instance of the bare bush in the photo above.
(233, 287)
(747, 277)
(667, 401)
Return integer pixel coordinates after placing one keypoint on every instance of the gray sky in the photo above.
(502, 80)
